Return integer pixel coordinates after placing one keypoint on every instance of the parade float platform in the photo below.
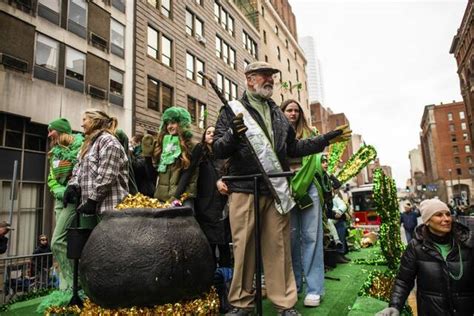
(342, 297)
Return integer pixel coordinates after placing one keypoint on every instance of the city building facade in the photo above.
(57, 58)
(462, 48)
(447, 152)
(313, 70)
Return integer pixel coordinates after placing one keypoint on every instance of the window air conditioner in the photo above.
(13, 62)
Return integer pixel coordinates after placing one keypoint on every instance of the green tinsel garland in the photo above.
(21, 298)
(335, 153)
(356, 163)
(385, 196)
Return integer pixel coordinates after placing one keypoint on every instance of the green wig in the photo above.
(179, 115)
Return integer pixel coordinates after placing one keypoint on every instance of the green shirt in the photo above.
(261, 106)
(443, 249)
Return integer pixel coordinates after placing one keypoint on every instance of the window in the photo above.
(166, 51)
(227, 86)
(457, 160)
(297, 75)
(455, 150)
(464, 136)
(450, 116)
(453, 137)
(458, 171)
(451, 127)
(194, 26)
(263, 11)
(46, 59)
(200, 2)
(288, 64)
(266, 58)
(461, 115)
(249, 44)
(463, 126)
(117, 38)
(116, 87)
(295, 56)
(225, 52)
(198, 112)
(276, 29)
(278, 53)
(163, 52)
(160, 95)
(246, 63)
(75, 69)
(193, 66)
(77, 17)
(469, 159)
(222, 17)
(119, 5)
(286, 43)
(467, 148)
(299, 95)
(264, 37)
(152, 42)
(471, 171)
(163, 5)
(50, 10)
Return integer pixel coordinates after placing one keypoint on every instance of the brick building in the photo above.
(447, 151)
(57, 58)
(462, 48)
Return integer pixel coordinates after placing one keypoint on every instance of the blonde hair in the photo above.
(64, 140)
(101, 122)
(184, 143)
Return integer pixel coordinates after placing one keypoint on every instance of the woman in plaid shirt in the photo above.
(100, 178)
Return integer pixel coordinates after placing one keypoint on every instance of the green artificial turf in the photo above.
(338, 301)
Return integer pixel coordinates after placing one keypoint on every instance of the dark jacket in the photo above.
(42, 262)
(409, 220)
(438, 293)
(209, 204)
(226, 145)
(3, 244)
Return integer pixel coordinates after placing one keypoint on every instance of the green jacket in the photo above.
(62, 161)
(169, 181)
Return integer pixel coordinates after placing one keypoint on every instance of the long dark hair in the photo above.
(302, 128)
(206, 148)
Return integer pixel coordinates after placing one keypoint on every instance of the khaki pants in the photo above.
(276, 252)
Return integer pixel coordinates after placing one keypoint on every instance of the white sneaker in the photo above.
(312, 300)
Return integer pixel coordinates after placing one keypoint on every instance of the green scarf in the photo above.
(171, 151)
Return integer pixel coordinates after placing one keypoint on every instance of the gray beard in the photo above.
(264, 92)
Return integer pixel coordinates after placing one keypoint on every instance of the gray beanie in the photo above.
(429, 207)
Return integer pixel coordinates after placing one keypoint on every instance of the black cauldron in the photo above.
(146, 257)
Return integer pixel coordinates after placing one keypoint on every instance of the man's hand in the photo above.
(222, 187)
(89, 208)
(340, 134)
(71, 195)
(238, 125)
(148, 145)
(389, 311)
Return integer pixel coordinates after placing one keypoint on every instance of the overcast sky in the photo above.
(382, 62)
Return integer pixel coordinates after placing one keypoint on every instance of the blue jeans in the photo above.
(409, 235)
(342, 232)
(307, 245)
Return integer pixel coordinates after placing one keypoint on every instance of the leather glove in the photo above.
(238, 125)
(389, 311)
(148, 145)
(90, 207)
(71, 195)
(340, 134)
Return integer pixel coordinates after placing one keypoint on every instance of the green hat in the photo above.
(176, 114)
(60, 125)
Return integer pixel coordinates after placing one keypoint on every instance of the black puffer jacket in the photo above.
(241, 162)
(438, 293)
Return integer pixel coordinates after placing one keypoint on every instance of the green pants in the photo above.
(64, 219)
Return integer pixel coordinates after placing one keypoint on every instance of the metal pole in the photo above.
(459, 189)
(12, 201)
(451, 180)
(258, 257)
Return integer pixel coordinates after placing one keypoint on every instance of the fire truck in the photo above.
(364, 207)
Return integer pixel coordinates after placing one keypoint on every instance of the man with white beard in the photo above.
(270, 134)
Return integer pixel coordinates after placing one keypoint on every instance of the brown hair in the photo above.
(101, 122)
(302, 127)
(184, 143)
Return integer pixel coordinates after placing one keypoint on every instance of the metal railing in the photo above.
(25, 274)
